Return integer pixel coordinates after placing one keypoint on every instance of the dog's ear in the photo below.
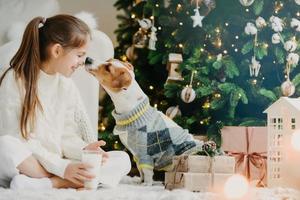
(128, 65)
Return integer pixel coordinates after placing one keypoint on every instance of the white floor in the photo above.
(128, 190)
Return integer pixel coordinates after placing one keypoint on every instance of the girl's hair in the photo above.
(66, 30)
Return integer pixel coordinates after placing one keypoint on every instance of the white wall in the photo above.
(103, 10)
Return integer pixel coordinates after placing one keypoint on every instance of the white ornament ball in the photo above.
(287, 88)
(188, 94)
(297, 2)
(290, 45)
(173, 112)
(246, 2)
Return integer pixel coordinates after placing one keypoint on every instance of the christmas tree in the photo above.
(209, 63)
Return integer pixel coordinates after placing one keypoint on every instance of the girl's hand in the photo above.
(96, 146)
(77, 173)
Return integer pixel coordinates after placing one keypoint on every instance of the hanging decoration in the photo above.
(140, 38)
(174, 61)
(173, 112)
(188, 94)
(153, 38)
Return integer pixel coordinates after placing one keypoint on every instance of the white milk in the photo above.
(93, 158)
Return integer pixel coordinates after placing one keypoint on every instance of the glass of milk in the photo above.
(93, 158)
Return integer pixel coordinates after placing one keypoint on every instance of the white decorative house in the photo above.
(283, 120)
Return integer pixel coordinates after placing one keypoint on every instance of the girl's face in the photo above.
(70, 59)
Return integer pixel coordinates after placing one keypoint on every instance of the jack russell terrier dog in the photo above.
(147, 133)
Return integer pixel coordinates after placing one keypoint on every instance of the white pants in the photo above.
(13, 152)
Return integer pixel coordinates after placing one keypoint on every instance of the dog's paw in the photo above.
(147, 184)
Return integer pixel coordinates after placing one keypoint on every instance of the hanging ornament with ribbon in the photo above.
(188, 94)
(197, 18)
(287, 87)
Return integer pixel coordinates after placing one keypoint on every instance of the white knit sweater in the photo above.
(62, 129)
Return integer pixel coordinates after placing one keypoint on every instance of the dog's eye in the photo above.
(107, 68)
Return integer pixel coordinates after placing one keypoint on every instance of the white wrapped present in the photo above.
(202, 164)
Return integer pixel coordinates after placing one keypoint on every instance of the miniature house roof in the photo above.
(293, 102)
(175, 57)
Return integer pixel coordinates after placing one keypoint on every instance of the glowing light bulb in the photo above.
(236, 187)
(295, 140)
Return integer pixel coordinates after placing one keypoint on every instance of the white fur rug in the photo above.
(128, 190)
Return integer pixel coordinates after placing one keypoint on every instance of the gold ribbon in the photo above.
(257, 159)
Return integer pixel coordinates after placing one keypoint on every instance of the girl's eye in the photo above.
(79, 56)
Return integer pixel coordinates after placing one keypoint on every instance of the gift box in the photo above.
(202, 164)
(199, 173)
(196, 182)
(249, 147)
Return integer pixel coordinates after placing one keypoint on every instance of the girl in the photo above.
(43, 124)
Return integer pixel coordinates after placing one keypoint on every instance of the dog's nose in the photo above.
(88, 61)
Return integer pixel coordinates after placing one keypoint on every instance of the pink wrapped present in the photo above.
(249, 146)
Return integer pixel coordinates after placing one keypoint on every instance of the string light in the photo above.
(201, 122)
(201, 49)
(237, 37)
(236, 50)
(209, 57)
(298, 14)
(247, 10)
(180, 23)
(254, 81)
(217, 30)
(132, 16)
(151, 87)
(225, 52)
(266, 45)
(232, 45)
(102, 127)
(157, 5)
(204, 45)
(179, 6)
(217, 95)
(274, 62)
(152, 17)
(226, 24)
(180, 45)
(206, 105)
(187, 12)
(155, 105)
(159, 28)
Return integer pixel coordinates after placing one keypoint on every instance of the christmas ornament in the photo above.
(153, 38)
(145, 23)
(173, 112)
(287, 88)
(174, 61)
(188, 94)
(130, 54)
(246, 2)
(254, 67)
(197, 18)
(140, 38)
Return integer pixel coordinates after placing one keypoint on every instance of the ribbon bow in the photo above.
(257, 159)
